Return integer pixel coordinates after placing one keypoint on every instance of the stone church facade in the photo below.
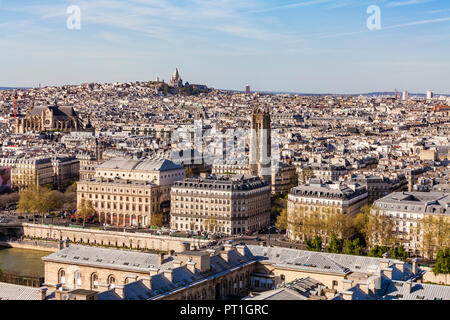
(49, 118)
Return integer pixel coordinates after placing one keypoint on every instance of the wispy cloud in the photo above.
(292, 5)
(406, 3)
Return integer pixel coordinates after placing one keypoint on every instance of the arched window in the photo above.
(111, 282)
(62, 277)
(94, 281)
(77, 279)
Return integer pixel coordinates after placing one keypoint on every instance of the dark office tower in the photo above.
(247, 89)
(260, 145)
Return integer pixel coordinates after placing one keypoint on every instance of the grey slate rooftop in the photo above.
(16, 292)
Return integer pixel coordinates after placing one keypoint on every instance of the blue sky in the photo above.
(310, 46)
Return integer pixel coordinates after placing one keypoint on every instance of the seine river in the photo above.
(25, 262)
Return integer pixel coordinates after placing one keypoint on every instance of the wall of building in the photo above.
(112, 238)
(429, 276)
(329, 280)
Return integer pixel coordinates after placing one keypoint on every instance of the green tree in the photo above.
(38, 200)
(315, 244)
(442, 265)
(335, 245)
(282, 223)
(157, 220)
(85, 209)
(378, 251)
(358, 249)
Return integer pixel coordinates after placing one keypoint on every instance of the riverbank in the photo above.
(22, 262)
(31, 245)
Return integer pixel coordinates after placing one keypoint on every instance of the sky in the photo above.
(305, 46)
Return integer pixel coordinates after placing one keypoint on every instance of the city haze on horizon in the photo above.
(312, 47)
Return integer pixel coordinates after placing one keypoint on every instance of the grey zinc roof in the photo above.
(320, 261)
(140, 165)
(283, 294)
(16, 292)
(120, 259)
(398, 290)
(300, 289)
(430, 202)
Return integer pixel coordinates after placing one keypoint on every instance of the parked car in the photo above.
(20, 217)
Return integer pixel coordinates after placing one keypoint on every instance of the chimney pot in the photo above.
(415, 265)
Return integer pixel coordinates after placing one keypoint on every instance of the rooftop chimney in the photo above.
(120, 291)
(191, 266)
(241, 250)
(409, 285)
(168, 274)
(384, 264)
(347, 284)
(347, 295)
(400, 266)
(43, 293)
(387, 272)
(147, 281)
(160, 258)
(415, 266)
(154, 271)
(177, 263)
(364, 286)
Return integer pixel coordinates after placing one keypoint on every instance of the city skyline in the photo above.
(327, 47)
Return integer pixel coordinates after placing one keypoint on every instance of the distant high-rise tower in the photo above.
(261, 145)
(247, 89)
(430, 95)
(176, 80)
(405, 95)
(396, 94)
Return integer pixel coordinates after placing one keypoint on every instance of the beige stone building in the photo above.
(213, 274)
(58, 172)
(324, 198)
(408, 211)
(127, 192)
(220, 203)
(283, 176)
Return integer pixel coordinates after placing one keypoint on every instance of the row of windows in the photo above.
(108, 197)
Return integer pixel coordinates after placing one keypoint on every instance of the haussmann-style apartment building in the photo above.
(408, 209)
(230, 204)
(127, 192)
(326, 198)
